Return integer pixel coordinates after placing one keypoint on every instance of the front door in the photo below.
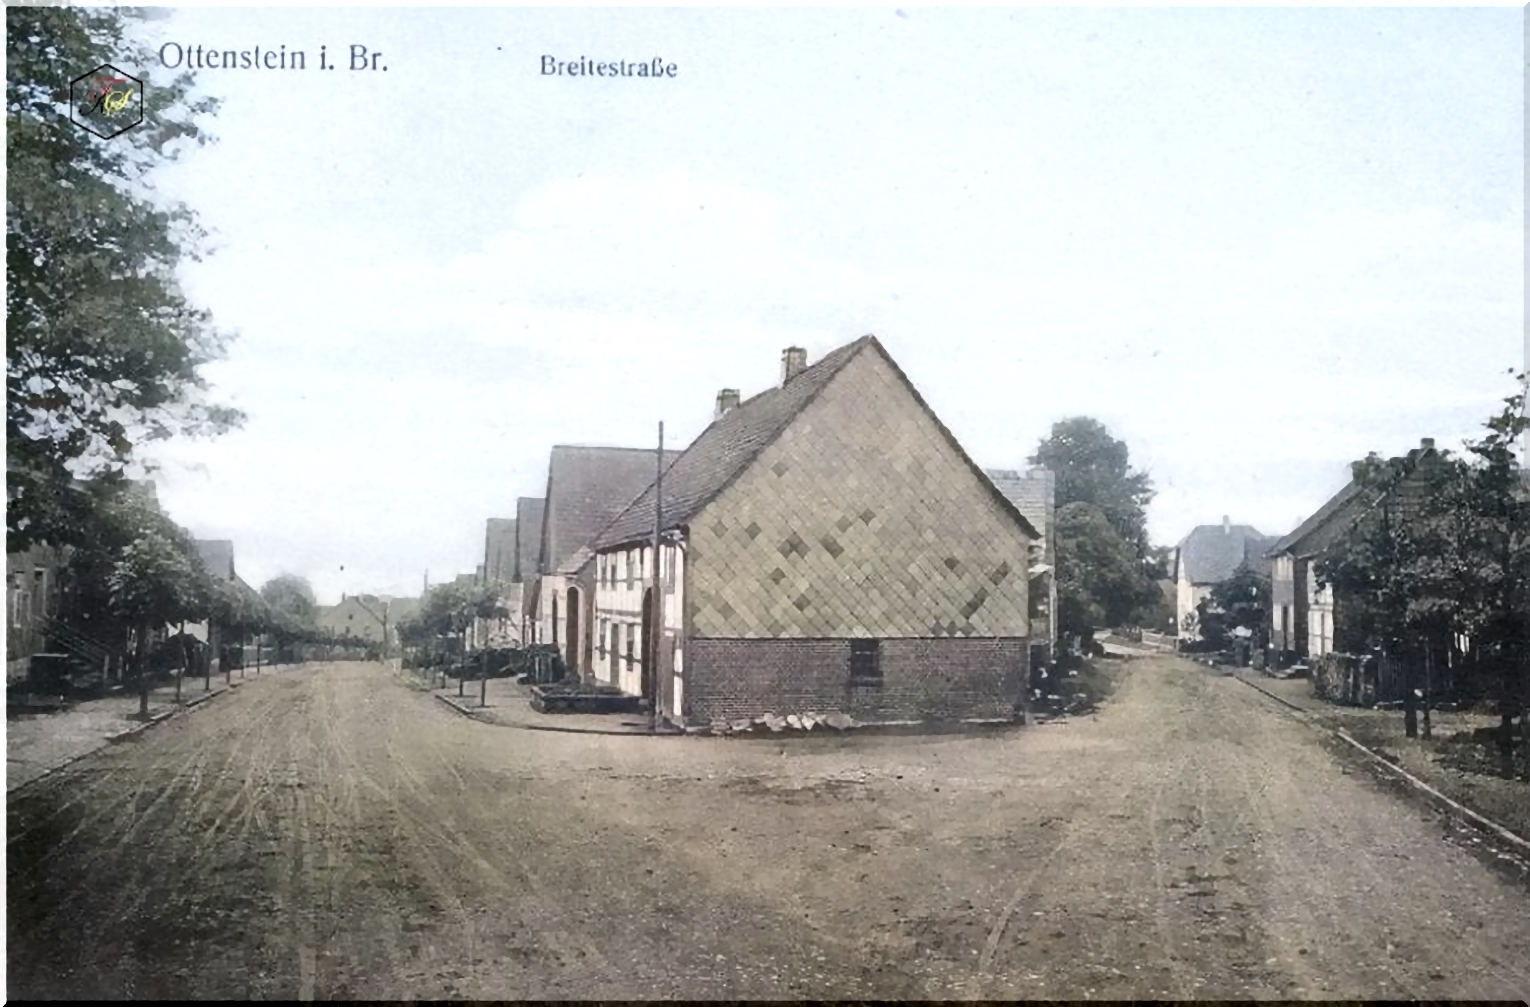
(572, 637)
(649, 650)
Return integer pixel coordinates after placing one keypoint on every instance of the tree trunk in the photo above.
(140, 658)
(1428, 690)
(1506, 710)
(1410, 701)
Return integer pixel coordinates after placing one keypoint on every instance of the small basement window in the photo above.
(866, 662)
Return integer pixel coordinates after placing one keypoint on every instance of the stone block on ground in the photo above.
(794, 722)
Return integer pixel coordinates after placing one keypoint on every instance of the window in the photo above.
(631, 644)
(866, 662)
(603, 634)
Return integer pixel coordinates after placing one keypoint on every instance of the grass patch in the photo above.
(1460, 761)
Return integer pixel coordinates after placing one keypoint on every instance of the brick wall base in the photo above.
(922, 679)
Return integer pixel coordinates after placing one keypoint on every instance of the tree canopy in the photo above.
(104, 350)
(1104, 565)
(1440, 550)
(1093, 467)
(136, 567)
(1100, 580)
(1241, 601)
(450, 609)
(292, 596)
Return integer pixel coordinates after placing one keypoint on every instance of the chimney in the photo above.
(1226, 525)
(793, 361)
(726, 399)
(1427, 443)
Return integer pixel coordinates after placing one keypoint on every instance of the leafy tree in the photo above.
(1492, 562)
(1100, 581)
(1160, 563)
(104, 351)
(291, 595)
(136, 570)
(1105, 573)
(1242, 600)
(1373, 570)
(1093, 467)
(1442, 548)
(449, 610)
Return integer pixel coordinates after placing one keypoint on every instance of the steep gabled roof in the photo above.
(1211, 553)
(586, 488)
(499, 549)
(528, 536)
(217, 556)
(576, 562)
(734, 440)
(1033, 492)
(1314, 534)
(1336, 504)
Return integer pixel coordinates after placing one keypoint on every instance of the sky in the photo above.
(1255, 243)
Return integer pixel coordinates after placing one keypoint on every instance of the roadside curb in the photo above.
(1279, 699)
(1502, 832)
(112, 739)
(913, 727)
(1506, 834)
(473, 714)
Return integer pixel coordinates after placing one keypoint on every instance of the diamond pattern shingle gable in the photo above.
(733, 441)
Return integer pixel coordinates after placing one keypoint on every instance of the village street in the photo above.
(333, 833)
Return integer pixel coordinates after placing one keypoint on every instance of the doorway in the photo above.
(650, 651)
(571, 637)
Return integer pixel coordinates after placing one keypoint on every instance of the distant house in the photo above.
(366, 618)
(528, 548)
(217, 556)
(827, 546)
(1207, 556)
(528, 536)
(34, 599)
(499, 572)
(586, 487)
(1034, 494)
(1306, 620)
(499, 550)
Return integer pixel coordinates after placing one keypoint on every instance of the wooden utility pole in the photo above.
(655, 630)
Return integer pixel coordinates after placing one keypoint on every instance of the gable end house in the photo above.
(827, 546)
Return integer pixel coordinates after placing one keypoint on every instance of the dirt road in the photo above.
(333, 834)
